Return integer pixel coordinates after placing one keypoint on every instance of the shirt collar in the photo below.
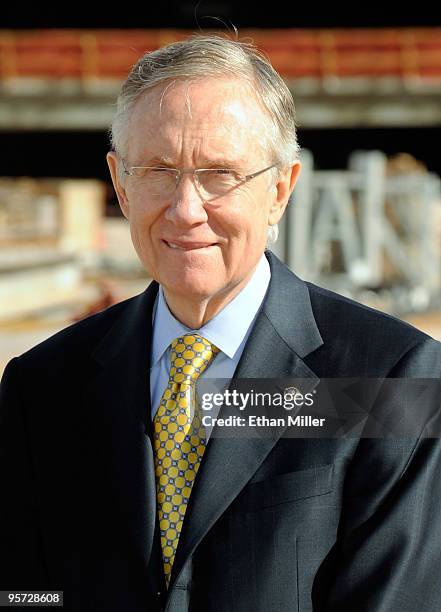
(227, 329)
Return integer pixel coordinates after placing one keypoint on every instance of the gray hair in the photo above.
(204, 56)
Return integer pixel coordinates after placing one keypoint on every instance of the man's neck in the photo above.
(195, 313)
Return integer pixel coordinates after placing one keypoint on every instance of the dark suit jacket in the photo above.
(273, 525)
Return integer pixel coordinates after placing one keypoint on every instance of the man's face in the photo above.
(201, 250)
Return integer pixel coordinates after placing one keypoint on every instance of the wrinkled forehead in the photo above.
(222, 114)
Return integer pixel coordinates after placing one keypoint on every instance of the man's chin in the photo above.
(192, 289)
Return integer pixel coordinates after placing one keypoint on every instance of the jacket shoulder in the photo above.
(332, 308)
(362, 339)
(77, 339)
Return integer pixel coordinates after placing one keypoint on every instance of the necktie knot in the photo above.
(190, 356)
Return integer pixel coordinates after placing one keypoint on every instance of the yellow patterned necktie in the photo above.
(179, 439)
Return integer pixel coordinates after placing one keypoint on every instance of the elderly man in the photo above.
(114, 491)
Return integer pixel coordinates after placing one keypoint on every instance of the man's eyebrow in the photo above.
(221, 162)
(156, 160)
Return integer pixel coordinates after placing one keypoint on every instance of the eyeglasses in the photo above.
(210, 182)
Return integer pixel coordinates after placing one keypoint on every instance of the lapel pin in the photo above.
(290, 392)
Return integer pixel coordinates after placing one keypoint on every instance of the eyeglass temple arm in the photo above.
(126, 170)
(248, 177)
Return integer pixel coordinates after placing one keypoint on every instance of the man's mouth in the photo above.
(188, 246)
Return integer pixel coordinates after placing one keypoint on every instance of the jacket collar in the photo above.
(286, 306)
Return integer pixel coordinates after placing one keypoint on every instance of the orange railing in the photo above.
(81, 54)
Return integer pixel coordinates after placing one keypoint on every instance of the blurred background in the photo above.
(365, 219)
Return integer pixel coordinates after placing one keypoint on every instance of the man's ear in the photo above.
(283, 189)
(113, 163)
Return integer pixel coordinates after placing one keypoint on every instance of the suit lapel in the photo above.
(120, 396)
(285, 331)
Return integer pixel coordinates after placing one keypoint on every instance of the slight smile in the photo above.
(189, 246)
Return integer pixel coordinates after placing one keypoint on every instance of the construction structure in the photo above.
(373, 227)
(68, 79)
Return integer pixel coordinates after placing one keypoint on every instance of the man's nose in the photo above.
(187, 205)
